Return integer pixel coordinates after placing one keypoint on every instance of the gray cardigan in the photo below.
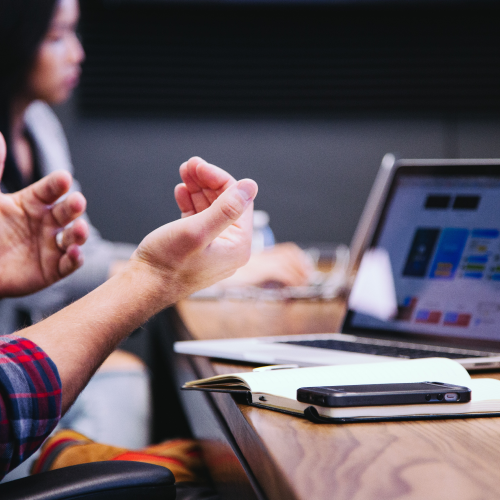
(52, 153)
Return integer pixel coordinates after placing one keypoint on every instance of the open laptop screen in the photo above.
(441, 228)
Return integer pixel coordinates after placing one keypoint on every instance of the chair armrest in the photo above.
(95, 481)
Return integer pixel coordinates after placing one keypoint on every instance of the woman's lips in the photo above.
(72, 81)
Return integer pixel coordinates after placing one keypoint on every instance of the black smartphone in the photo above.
(384, 394)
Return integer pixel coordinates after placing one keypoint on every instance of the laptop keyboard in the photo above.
(392, 349)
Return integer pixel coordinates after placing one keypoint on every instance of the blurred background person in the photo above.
(40, 57)
(40, 60)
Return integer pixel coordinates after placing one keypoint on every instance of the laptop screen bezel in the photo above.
(419, 168)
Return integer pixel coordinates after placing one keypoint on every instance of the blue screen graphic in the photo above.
(449, 252)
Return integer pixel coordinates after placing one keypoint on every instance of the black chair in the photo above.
(113, 480)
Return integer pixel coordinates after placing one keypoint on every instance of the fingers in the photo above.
(296, 259)
(77, 234)
(69, 243)
(229, 208)
(184, 201)
(71, 260)
(284, 264)
(69, 209)
(212, 177)
(197, 174)
(291, 275)
(204, 182)
(49, 189)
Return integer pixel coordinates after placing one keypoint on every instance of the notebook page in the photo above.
(484, 389)
(285, 383)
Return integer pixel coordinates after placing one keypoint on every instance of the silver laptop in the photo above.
(439, 222)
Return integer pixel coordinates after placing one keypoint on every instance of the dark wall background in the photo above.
(304, 99)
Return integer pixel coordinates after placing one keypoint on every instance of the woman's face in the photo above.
(56, 70)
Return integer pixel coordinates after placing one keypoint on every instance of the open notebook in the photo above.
(277, 389)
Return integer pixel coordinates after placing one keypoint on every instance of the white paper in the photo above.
(373, 292)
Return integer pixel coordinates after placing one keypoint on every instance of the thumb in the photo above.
(48, 189)
(228, 208)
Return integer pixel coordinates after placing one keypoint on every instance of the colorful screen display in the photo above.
(443, 238)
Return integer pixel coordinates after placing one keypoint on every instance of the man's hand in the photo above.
(284, 264)
(213, 238)
(209, 243)
(31, 259)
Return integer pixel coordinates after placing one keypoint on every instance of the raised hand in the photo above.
(285, 264)
(30, 256)
(208, 244)
(213, 238)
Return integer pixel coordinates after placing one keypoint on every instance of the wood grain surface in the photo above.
(215, 319)
(294, 459)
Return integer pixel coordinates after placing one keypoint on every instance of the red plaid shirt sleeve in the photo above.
(30, 400)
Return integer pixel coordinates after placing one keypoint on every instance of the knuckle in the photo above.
(61, 211)
(50, 187)
(67, 209)
(192, 238)
(231, 209)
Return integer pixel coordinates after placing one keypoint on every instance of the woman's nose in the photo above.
(77, 54)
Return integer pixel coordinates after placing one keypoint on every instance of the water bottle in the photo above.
(262, 236)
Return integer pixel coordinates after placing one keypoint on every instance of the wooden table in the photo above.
(256, 453)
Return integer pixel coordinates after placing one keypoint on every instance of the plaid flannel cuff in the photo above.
(30, 399)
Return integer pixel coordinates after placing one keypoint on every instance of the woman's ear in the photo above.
(3, 154)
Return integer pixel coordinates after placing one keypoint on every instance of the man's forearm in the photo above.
(172, 262)
(81, 336)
